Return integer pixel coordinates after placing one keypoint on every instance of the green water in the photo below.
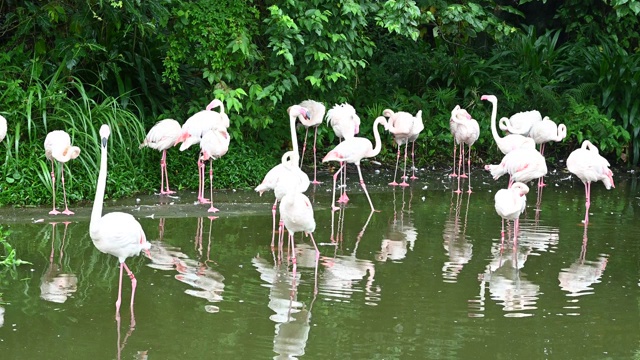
(426, 277)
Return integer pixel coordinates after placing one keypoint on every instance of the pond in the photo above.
(425, 277)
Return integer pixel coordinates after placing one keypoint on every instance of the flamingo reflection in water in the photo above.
(401, 235)
(455, 241)
(291, 316)
(344, 272)
(579, 277)
(507, 284)
(57, 285)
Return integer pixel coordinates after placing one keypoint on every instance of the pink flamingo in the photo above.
(511, 141)
(522, 165)
(459, 114)
(317, 111)
(588, 165)
(57, 146)
(116, 233)
(162, 136)
(510, 203)
(195, 127)
(214, 144)
(545, 131)
(467, 131)
(3, 128)
(346, 124)
(520, 123)
(401, 125)
(352, 151)
(296, 212)
(278, 172)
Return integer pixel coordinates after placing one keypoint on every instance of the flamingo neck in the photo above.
(96, 212)
(376, 136)
(494, 114)
(294, 138)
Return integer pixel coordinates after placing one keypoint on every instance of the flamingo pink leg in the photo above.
(64, 195)
(453, 174)
(54, 211)
(413, 161)
(164, 176)
(587, 189)
(335, 178)
(273, 211)
(134, 282)
(212, 208)
(404, 172)
(462, 173)
(344, 198)
(315, 136)
(201, 197)
(395, 172)
(364, 187)
(541, 181)
(459, 165)
(294, 260)
(469, 169)
(304, 147)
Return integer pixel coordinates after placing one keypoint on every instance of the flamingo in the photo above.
(279, 171)
(588, 165)
(162, 136)
(116, 233)
(214, 144)
(459, 114)
(511, 141)
(317, 111)
(522, 165)
(3, 127)
(510, 203)
(545, 131)
(467, 131)
(417, 128)
(353, 151)
(296, 212)
(520, 123)
(195, 127)
(57, 146)
(346, 124)
(401, 125)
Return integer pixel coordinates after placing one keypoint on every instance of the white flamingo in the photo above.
(520, 123)
(465, 131)
(510, 203)
(511, 141)
(116, 233)
(346, 124)
(522, 165)
(162, 136)
(57, 146)
(214, 145)
(404, 128)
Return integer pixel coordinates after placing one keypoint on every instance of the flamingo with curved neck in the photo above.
(511, 141)
(352, 151)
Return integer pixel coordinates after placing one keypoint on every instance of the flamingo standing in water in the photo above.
(162, 136)
(316, 112)
(545, 131)
(281, 174)
(401, 125)
(195, 127)
(588, 165)
(511, 141)
(459, 114)
(510, 203)
(116, 233)
(353, 151)
(467, 131)
(214, 144)
(57, 146)
(522, 165)
(346, 124)
(296, 212)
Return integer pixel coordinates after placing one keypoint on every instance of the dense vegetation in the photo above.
(74, 65)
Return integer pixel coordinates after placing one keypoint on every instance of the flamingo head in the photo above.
(214, 104)
(490, 98)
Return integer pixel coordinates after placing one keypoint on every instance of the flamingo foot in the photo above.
(213, 209)
(453, 174)
(542, 184)
(469, 191)
(343, 198)
(168, 192)
(203, 200)
(393, 183)
(413, 177)
(404, 184)
(54, 212)
(464, 176)
(316, 182)
(335, 208)
(68, 212)
(458, 191)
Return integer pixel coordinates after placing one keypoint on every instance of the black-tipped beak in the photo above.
(104, 142)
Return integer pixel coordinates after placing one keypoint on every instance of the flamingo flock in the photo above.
(120, 234)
